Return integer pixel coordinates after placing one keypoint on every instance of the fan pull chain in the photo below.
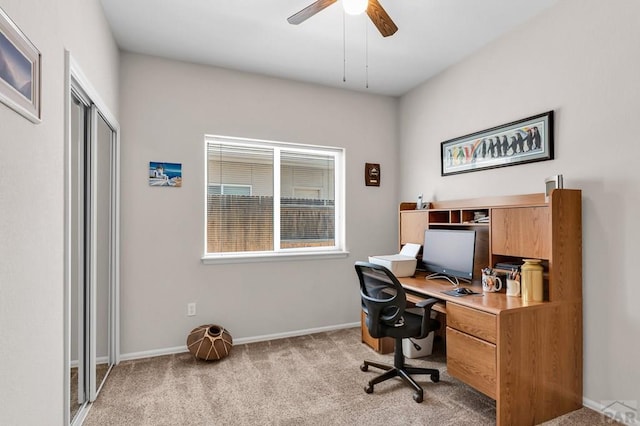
(344, 47)
(366, 50)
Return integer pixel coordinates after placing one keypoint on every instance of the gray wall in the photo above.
(581, 60)
(167, 108)
(32, 207)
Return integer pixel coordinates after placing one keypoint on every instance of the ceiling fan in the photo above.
(376, 13)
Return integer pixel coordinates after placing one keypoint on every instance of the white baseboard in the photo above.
(99, 360)
(240, 341)
(153, 353)
(625, 412)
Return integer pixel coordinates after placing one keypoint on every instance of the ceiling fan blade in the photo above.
(309, 11)
(381, 19)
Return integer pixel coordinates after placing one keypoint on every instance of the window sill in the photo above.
(273, 257)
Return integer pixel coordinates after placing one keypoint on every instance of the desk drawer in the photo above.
(472, 360)
(472, 321)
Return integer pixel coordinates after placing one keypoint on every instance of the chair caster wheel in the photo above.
(435, 377)
(364, 367)
(368, 389)
(417, 397)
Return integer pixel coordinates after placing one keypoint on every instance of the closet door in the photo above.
(98, 218)
(80, 118)
(92, 249)
(100, 243)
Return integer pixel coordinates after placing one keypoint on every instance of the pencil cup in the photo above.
(513, 287)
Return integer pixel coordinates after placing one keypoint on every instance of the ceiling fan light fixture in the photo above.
(355, 7)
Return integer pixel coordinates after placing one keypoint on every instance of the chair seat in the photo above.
(412, 327)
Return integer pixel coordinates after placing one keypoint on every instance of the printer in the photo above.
(402, 264)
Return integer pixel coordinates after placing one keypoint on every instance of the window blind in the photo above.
(237, 222)
(307, 200)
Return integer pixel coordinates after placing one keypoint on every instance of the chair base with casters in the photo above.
(399, 369)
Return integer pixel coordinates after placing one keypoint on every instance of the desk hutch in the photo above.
(525, 355)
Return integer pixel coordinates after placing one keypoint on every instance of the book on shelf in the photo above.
(479, 217)
(508, 265)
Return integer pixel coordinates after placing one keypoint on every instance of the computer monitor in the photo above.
(449, 254)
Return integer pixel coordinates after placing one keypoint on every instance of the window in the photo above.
(272, 199)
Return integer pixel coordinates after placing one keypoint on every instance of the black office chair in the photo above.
(384, 301)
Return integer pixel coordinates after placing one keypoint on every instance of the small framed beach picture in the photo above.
(165, 174)
(19, 71)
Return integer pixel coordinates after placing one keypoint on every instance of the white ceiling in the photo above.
(254, 36)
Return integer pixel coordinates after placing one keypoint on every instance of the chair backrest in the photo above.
(383, 298)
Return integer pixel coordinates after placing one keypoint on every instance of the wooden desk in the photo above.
(510, 350)
(527, 356)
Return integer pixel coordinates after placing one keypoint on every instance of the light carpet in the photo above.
(306, 380)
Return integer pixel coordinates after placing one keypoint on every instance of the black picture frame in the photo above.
(372, 174)
(523, 141)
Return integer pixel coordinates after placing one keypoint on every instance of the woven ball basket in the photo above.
(209, 342)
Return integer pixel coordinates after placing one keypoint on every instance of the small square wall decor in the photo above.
(372, 174)
(165, 174)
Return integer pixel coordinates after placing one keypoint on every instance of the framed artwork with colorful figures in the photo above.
(523, 141)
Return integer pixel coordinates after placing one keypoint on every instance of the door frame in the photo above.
(76, 80)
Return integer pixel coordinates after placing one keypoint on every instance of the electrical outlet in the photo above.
(191, 309)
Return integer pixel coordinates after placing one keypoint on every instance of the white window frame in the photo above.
(223, 185)
(280, 254)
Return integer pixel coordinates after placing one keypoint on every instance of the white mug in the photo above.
(491, 283)
(513, 287)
